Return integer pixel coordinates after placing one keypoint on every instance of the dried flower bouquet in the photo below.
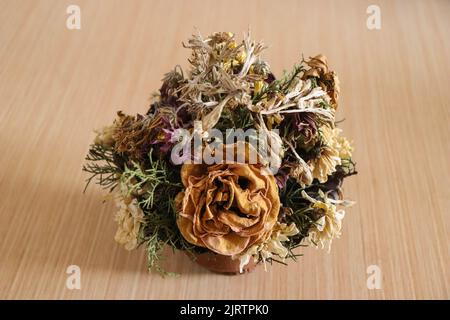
(243, 211)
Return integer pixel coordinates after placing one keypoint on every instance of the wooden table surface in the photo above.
(56, 85)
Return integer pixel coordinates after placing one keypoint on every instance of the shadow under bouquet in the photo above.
(229, 164)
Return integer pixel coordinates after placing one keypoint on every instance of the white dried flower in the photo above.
(328, 227)
(273, 246)
(129, 219)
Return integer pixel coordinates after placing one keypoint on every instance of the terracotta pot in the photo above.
(222, 264)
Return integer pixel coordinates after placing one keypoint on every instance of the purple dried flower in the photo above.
(305, 124)
(281, 179)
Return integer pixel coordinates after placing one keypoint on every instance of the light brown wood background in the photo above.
(56, 85)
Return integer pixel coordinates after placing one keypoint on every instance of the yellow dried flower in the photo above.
(342, 144)
(241, 56)
(325, 164)
(258, 86)
(232, 45)
(334, 150)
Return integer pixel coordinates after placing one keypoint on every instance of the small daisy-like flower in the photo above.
(273, 246)
(328, 226)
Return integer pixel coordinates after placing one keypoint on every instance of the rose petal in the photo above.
(227, 245)
(227, 207)
(235, 222)
(185, 225)
(255, 183)
(189, 169)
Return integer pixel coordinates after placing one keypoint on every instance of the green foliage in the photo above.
(155, 187)
(240, 117)
(160, 230)
(281, 85)
(142, 183)
(100, 164)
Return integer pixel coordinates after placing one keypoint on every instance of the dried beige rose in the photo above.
(227, 207)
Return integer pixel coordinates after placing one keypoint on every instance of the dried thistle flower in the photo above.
(133, 134)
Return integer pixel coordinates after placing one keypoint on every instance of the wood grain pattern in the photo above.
(56, 85)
